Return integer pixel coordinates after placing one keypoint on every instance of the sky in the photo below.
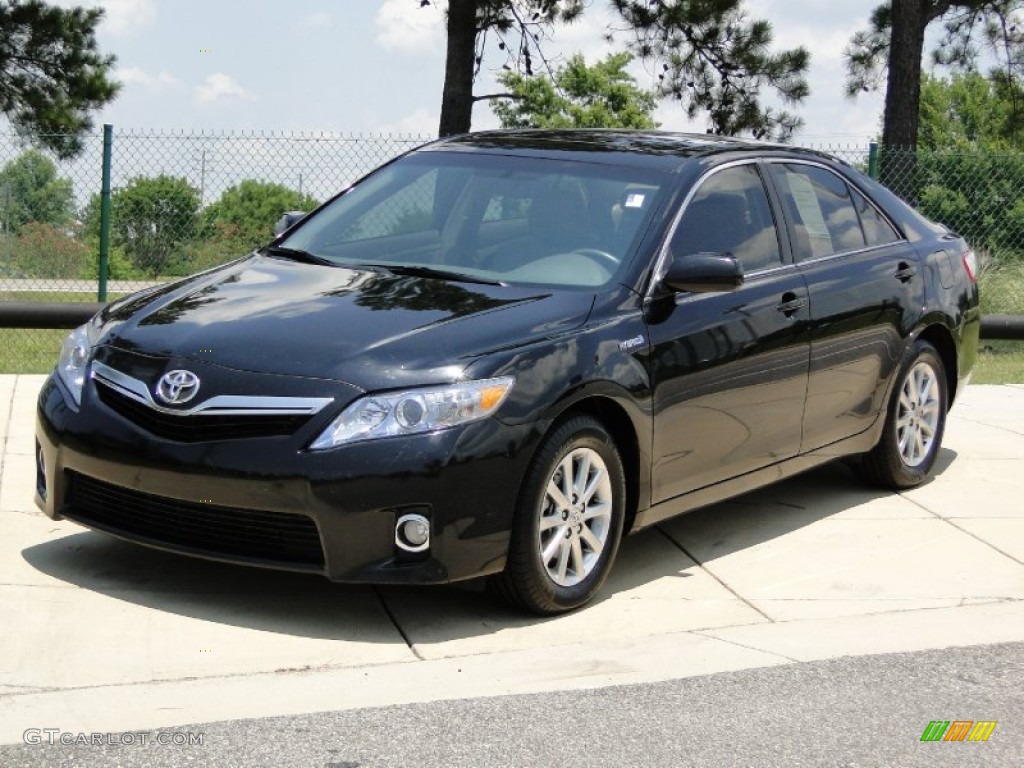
(377, 66)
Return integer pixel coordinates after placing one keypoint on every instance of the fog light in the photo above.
(412, 533)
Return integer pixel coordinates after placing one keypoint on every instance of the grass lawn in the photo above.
(25, 350)
(29, 351)
(1000, 362)
(1002, 289)
(35, 351)
(1002, 293)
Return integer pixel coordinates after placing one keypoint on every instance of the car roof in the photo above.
(666, 149)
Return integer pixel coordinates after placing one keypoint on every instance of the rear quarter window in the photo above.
(877, 231)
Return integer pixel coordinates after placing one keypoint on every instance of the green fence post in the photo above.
(108, 145)
(873, 160)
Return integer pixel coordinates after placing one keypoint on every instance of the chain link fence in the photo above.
(179, 203)
(183, 202)
(979, 195)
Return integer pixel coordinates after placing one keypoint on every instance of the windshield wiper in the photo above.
(298, 255)
(417, 270)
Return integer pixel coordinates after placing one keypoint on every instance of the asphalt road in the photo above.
(857, 711)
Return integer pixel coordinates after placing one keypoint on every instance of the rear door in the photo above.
(866, 292)
(729, 370)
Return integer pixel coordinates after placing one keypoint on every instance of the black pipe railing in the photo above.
(1002, 327)
(39, 314)
(46, 314)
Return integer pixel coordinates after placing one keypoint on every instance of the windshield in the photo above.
(492, 217)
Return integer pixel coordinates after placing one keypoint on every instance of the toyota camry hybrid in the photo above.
(499, 353)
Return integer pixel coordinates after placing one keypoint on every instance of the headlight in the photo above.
(415, 411)
(74, 359)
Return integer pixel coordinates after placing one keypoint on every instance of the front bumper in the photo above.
(249, 500)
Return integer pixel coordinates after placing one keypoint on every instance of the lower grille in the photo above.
(279, 538)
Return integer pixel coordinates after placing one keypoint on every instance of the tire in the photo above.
(564, 543)
(914, 425)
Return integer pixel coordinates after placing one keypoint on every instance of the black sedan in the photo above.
(500, 352)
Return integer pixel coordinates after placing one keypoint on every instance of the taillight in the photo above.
(971, 265)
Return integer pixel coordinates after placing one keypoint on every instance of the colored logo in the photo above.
(958, 730)
(177, 387)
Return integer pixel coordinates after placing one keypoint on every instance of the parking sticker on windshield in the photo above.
(635, 200)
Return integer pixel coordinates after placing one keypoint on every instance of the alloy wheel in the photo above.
(917, 421)
(575, 517)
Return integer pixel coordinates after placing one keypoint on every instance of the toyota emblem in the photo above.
(177, 387)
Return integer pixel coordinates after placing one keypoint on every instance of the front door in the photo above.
(729, 370)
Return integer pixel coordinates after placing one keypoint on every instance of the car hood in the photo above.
(368, 328)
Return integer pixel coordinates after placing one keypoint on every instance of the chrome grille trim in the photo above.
(220, 405)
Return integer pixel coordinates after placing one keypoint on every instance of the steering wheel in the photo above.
(602, 257)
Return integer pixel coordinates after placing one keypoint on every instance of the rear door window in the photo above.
(822, 215)
(826, 215)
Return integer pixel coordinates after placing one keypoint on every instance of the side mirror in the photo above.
(287, 221)
(703, 273)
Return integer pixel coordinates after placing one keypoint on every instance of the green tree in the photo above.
(714, 59)
(43, 250)
(968, 111)
(601, 96)
(30, 190)
(153, 219)
(891, 50)
(969, 166)
(248, 211)
(52, 76)
(717, 61)
(515, 27)
(975, 192)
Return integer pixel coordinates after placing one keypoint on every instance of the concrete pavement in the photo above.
(101, 635)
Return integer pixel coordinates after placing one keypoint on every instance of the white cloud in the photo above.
(318, 20)
(420, 122)
(830, 116)
(219, 86)
(138, 76)
(825, 30)
(402, 25)
(122, 17)
(586, 35)
(670, 116)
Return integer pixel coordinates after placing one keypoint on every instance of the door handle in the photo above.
(905, 272)
(790, 304)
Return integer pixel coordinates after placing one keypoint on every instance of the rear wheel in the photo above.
(568, 521)
(915, 422)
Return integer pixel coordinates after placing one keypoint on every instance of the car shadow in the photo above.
(308, 605)
(780, 509)
(651, 559)
(282, 602)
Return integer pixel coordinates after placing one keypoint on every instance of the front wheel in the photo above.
(915, 422)
(568, 521)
